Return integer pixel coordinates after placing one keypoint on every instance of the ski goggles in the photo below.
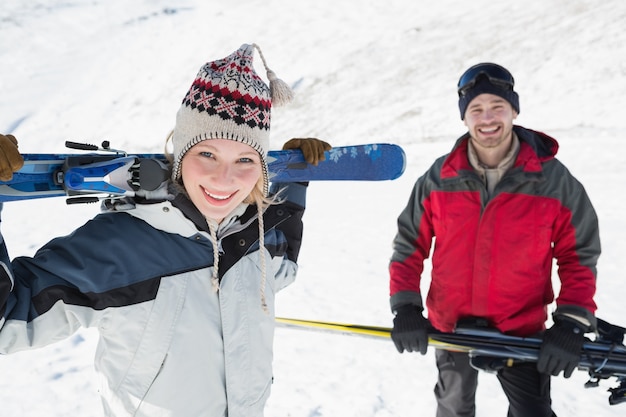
(497, 75)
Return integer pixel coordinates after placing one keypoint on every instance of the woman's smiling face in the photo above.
(219, 174)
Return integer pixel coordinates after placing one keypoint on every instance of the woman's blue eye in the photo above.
(243, 159)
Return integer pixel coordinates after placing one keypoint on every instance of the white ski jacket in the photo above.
(169, 344)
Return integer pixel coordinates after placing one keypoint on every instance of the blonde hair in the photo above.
(258, 197)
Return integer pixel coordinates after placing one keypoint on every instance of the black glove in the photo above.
(10, 158)
(410, 329)
(312, 149)
(561, 347)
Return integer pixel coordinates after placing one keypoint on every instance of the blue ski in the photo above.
(114, 173)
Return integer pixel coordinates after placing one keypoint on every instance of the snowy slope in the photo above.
(363, 71)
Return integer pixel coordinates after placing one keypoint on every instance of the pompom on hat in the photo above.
(229, 100)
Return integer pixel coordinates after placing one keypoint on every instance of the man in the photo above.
(499, 208)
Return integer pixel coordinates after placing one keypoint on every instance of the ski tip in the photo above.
(402, 168)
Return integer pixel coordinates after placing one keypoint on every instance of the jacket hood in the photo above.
(544, 146)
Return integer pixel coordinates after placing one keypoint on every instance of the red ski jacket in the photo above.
(492, 257)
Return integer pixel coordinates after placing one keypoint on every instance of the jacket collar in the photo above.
(243, 216)
(535, 149)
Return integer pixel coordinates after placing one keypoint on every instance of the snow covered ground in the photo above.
(364, 71)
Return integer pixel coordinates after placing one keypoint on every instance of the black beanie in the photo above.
(483, 86)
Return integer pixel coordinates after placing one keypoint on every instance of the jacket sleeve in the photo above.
(114, 260)
(576, 249)
(411, 246)
(38, 306)
(293, 199)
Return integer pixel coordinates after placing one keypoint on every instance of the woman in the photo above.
(180, 284)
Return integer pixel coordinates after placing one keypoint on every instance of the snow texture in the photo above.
(363, 71)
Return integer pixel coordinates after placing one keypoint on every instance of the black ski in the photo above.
(489, 350)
